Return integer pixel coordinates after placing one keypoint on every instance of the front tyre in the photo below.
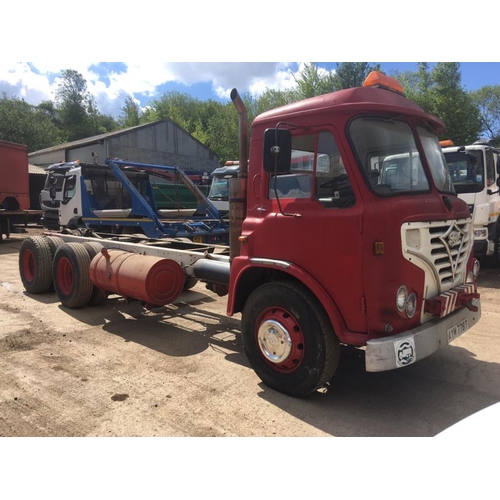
(288, 338)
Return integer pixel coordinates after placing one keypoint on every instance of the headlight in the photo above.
(411, 304)
(480, 234)
(401, 296)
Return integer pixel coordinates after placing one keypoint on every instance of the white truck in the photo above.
(475, 172)
(218, 193)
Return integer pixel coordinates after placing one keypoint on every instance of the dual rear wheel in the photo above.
(47, 263)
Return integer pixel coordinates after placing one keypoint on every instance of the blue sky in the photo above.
(111, 83)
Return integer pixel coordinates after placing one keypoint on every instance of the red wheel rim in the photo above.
(65, 278)
(280, 339)
(28, 265)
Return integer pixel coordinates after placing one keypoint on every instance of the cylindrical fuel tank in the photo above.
(154, 280)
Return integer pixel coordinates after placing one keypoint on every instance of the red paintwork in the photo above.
(154, 280)
(332, 250)
(14, 173)
(65, 277)
(28, 263)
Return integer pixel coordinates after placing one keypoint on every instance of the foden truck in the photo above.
(322, 253)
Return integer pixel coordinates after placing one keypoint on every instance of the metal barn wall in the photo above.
(47, 158)
(164, 144)
(84, 153)
(161, 143)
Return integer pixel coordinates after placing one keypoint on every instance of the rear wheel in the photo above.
(288, 338)
(35, 264)
(71, 275)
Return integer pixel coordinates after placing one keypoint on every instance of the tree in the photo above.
(439, 92)
(351, 74)
(75, 106)
(313, 81)
(131, 113)
(487, 99)
(23, 123)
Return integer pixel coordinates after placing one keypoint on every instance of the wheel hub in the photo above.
(275, 341)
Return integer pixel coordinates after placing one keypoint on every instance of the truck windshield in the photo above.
(387, 153)
(466, 170)
(219, 189)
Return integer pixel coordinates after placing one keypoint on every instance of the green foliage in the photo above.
(351, 74)
(487, 99)
(23, 123)
(77, 109)
(313, 81)
(439, 92)
(131, 113)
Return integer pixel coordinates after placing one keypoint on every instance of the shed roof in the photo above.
(98, 138)
(34, 169)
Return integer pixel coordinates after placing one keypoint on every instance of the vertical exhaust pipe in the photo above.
(238, 186)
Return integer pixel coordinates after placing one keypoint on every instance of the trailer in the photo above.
(14, 188)
(326, 253)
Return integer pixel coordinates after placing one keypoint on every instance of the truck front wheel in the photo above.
(288, 338)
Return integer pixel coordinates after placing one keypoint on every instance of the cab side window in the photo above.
(490, 169)
(333, 187)
(317, 173)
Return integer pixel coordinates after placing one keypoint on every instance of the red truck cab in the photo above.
(353, 234)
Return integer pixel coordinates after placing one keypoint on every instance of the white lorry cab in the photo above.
(218, 193)
(475, 172)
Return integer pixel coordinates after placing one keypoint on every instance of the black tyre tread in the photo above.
(77, 254)
(42, 255)
(98, 296)
(331, 342)
(54, 243)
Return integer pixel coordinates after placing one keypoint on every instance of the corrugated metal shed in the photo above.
(162, 142)
(33, 169)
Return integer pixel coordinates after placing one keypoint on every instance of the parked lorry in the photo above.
(169, 192)
(321, 255)
(218, 193)
(475, 172)
(118, 197)
(14, 187)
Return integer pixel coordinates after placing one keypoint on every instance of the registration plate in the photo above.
(197, 239)
(457, 330)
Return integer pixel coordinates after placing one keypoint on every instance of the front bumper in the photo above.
(403, 349)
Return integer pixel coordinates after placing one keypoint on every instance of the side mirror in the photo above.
(277, 154)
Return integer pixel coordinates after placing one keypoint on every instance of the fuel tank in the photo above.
(153, 280)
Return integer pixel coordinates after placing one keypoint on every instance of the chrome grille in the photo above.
(450, 247)
(445, 247)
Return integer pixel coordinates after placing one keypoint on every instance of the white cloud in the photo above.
(37, 81)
